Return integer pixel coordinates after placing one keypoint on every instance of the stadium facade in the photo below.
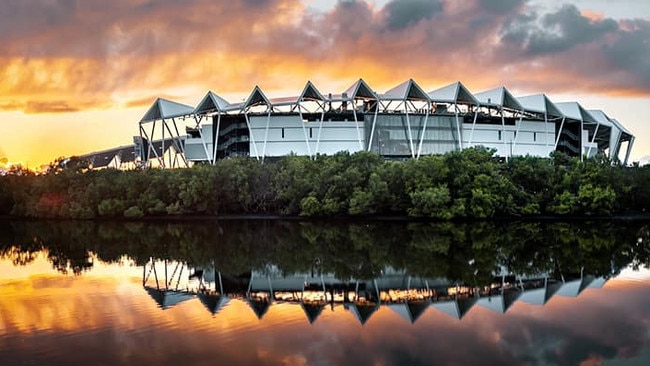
(404, 122)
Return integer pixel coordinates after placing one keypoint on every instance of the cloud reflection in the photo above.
(77, 320)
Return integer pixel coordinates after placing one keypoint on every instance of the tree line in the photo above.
(467, 184)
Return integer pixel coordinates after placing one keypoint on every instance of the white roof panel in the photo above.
(163, 109)
(360, 90)
(601, 117)
(257, 97)
(455, 93)
(310, 92)
(498, 97)
(539, 103)
(576, 112)
(211, 103)
(408, 90)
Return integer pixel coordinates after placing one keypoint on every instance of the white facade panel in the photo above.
(195, 150)
(289, 134)
(534, 138)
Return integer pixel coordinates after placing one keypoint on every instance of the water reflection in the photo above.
(407, 295)
(309, 293)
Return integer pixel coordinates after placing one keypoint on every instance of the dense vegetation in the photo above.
(467, 184)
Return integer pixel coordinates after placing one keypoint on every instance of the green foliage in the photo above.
(471, 183)
(133, 212)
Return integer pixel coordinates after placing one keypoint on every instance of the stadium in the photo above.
(403, 122)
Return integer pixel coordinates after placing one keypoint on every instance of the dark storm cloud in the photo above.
(604, 53)
(19, 17)
(630, 51)
(558, 31)
(501, 6)
(403, 13)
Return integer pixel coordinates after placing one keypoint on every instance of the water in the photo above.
(295, 293)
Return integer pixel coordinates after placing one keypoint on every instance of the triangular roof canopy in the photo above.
(576, 112)
(165, 298)
(448, 307)
(162, 109)
(498, 97)
(259, 306)
(598, 282)
(408, 90)
(363, 312)
(540, 296)
(360, 90)
(500, 303)
(539, 103)
(455, 93)
(211, 103)
(257, 97)
(213, 303)
(601, 117)
(574, 287)
(312, 310)
(411, 310)
(310, 92)
(465, 304)
(622, 128)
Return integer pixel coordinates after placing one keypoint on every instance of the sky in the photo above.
(77, 76)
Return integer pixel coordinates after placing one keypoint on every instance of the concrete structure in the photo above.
(404, 122)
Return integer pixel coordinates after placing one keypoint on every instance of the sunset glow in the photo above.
(78, 75)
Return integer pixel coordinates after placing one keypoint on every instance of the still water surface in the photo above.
(296, 293)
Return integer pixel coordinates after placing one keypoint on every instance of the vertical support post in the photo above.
(266, 134)
(503, 133)
(304, 131)
(424, 129)
(582, 147)
(203, 142)
(215, 141)
(374, 124)
(629, 150)
(471, 134)
(460, 138)
(593, 139)
(408, 126)
(250, 133)
(320, 129)
(546, 130)
(514, 141)
(356, 123)
(559, 132)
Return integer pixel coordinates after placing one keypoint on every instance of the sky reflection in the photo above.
(106, 317)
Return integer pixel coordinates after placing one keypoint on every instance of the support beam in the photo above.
(356, 124)
(215, 141)
(304, 131)
(471, 134)
(251, 137)
(629, 150)
(460, 138)
(503, 133)
(410, 134)
(266, 134)
(559, 132)
(424, 130)
(372, 129)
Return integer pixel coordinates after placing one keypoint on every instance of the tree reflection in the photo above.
(465, 252)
